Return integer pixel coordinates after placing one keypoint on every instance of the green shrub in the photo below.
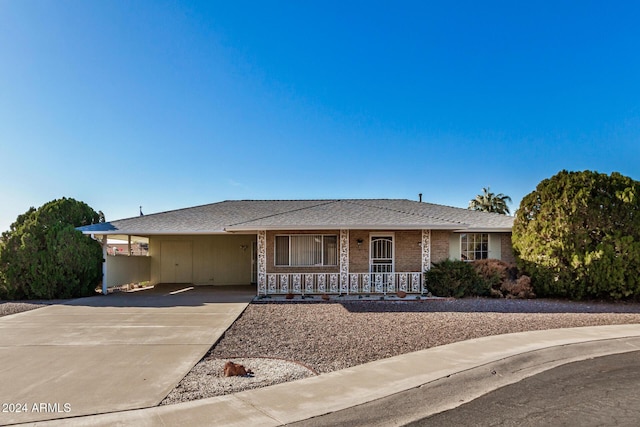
(455, 279)
(43, 256)
(578, 236)
(488, 277)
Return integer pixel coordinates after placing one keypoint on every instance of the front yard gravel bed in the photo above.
(328, 336)
(10, 307)
(285, 341)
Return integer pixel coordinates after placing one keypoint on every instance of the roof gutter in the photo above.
(345, 227)
(483, 230)
(154, 233)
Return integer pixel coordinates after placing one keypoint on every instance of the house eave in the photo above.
(483, 230)
(237, 229)
(150, 233)
(459, 228)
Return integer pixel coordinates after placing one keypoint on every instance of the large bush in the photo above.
(578, 235)
(503, 280)
(455, 279)
(487, 277)
(44, 256)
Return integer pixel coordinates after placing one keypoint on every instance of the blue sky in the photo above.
(170, 104)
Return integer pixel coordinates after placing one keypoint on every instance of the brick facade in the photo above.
(408, 252)
(440, 245)
(358, 254)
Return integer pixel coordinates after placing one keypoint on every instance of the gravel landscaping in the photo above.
(10, 307)
(286, 341)
(330, 336)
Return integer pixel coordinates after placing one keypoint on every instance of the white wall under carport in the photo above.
(220, 259)
(122, 270)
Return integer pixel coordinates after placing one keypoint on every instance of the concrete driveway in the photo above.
(109, 353)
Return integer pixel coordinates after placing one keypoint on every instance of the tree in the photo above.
(578, 235)
(44, 256)
(490, 202)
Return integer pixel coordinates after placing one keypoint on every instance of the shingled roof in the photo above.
(252, 215)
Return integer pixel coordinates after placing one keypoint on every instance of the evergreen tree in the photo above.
(44, 256)
(578, 235)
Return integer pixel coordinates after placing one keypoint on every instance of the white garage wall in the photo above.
(214, 260)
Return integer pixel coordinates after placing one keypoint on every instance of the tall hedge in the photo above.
(43, 256)
(578, 236)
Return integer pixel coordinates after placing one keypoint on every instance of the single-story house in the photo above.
(342, 246)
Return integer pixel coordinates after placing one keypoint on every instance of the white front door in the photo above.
(381, 254)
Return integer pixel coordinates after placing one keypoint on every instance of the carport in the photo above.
(178, 252)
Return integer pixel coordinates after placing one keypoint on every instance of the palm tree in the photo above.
(490, 202)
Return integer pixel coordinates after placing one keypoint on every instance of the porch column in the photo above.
(344, 261)
(426, 256)
(426, 250)
(262, 262)
(104, 264)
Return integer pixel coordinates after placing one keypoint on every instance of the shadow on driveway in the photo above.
(170, 295)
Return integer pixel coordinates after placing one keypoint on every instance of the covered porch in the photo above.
(367, 262)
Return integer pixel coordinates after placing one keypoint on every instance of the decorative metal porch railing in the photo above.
(330, 283)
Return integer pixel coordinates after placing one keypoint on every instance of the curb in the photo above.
(458, 389)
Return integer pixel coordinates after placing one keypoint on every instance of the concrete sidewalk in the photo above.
(109, 353)
(466, 369)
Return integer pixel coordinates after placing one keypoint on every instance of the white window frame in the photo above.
(322, 251)
(467, 251)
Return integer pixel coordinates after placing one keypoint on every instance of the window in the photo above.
(474, 246)
(301, 250)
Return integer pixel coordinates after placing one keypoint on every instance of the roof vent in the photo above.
(420, 197)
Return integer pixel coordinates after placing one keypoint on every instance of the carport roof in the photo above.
(253, 215)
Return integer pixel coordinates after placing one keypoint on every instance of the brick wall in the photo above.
(408, 253)
(358, 256)
(439, 245)
(408, 250)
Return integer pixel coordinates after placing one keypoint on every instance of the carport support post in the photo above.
(104, 264)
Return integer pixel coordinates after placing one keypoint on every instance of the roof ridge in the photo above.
(172, 210)
(324, 202)
(405, 212)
